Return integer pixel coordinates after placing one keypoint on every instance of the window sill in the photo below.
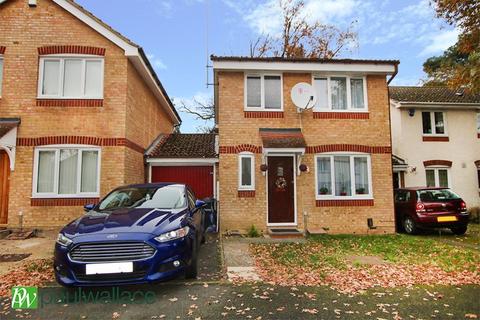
(246, 193)
(66, 102)
(341, 114)
(62, 202)
(263, 114)
(350, 202)
(435, 138)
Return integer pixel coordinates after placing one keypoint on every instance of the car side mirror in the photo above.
(89, 207)
(199, 203)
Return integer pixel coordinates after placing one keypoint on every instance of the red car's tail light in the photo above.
(420, 207)
(463, 206)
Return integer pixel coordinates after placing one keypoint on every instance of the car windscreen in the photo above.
(167, 197)
(437, 195)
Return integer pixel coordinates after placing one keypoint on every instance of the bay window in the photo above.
(246, 172)
(71, 78)
(66, 172)
(340, 93)
(343, 176)
(437, 177)
(263, 92)
(434, 123)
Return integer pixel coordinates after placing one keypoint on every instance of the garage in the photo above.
(185, 158)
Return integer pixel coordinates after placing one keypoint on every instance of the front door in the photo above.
(4, 178)
(281, 190)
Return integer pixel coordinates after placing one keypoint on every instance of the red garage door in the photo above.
(199, 178)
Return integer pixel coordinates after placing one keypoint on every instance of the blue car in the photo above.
(136, 234)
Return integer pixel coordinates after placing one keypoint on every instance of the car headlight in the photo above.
(63, 240)
(172, 235)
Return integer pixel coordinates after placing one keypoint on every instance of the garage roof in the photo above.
(183, 145)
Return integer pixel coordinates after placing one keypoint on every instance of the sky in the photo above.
(179, 35)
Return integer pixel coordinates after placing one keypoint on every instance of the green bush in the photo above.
(253, 232)
(474, 214)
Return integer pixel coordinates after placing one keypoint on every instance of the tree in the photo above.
(303, 39)
(459, 66)
(201, 111)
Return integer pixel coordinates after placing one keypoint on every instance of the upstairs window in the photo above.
(338, 93)
(263, 92)
(71, 78)
(246, 173)
(434, 123)
(1, 74)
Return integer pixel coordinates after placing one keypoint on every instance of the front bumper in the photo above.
(158, 267)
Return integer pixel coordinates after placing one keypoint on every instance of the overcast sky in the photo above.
(173, 34)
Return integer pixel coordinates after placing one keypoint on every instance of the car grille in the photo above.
(111, 252)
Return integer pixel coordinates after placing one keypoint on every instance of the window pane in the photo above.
(253, 92)
(93, 78)
(338, 87)
(478, 174)
(89, 171)
(46, 171)
(1, 75)
(356, 86)
(321, 89)
(427, 123)
(324, 176)
(478, 122)
(342, 176)
(246, 171)
(273, 92)
(361, 175)
(72, 83)
(439, 123)
(51, 71)
(430, 178)
(67, 183)
(443, 177)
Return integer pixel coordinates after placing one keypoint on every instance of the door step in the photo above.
(281, 233)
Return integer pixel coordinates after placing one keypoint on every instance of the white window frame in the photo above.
(61, 59)
(437, 176)
(56, 149)
(2, 71)
(349, 93)
(262, 91)
(432, 124)
(252, 177)
(477, 123)
(353, 196)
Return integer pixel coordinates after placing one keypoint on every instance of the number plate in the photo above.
(105, 268)
(447, 219)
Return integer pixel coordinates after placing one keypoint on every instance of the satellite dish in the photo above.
(303, 96)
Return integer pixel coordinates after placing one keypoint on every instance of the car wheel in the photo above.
(409, 226)
(460, 230)
(191, 271)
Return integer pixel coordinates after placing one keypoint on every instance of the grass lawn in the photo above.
(373, 259)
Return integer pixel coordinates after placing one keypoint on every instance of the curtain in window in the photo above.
(361, 175)
(72, 82)
(254, 92)
(321, 89)
(338, 88)
(443, 178)
(439, 123)
(93, 78)
(51, 71)
(46, 172)
(427, 123)
(430, 178)
(342, 176)
(273, 92)
(356, 86)
(67, 180)
(324, 176)
(246, 171)
(1, 75)
(89, 171)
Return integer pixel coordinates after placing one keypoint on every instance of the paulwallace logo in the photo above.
(24, 297)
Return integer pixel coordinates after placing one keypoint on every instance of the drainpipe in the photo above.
(393, 74)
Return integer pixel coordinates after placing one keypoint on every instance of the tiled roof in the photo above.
(183, 145)
(282, 138)
(6, 124)
(312, 60)
(432, 94)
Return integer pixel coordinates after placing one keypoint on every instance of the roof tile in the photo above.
(184, 145)
(432, 94)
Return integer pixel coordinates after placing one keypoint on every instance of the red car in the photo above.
(426, 208)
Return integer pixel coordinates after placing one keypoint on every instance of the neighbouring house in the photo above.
(79, 105)
(436, 139)
(323, 170)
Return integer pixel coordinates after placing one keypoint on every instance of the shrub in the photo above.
(474, 214)
(253, 232)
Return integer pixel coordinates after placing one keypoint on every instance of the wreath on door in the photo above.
(281, 184)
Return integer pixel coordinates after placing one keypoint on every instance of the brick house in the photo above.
(436, 134)
(327, 169)
(79, 104)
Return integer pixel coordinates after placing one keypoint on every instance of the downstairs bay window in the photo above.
(66, 172)
(343, 176)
